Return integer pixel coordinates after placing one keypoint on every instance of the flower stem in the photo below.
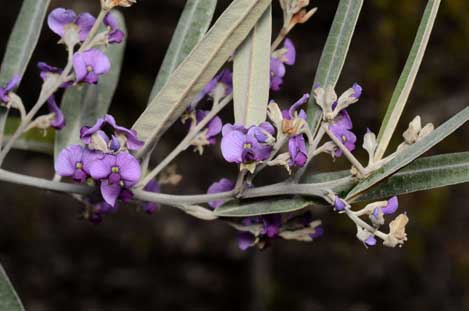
(186, 142)
(92, 33)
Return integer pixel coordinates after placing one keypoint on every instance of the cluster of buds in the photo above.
(294, 13)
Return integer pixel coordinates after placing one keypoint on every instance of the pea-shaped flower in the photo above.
(60, 18)
(74, 161)
(89, 65)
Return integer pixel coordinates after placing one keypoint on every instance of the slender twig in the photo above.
(186, 142)
(361, 223)
(92, 33)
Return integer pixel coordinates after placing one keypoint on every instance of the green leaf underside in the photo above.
(422, 174)
(407, 155)
(9, 300)
(251, 74)
(84, 104)
(335, 52)
(21, 44)
(263, 207)
(192, 26)
(197, 69)
(407, 78)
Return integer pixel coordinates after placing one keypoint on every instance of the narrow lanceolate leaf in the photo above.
(22, 42)
(335, 51)
(197, 69)
(9, 300)
(83, 105)
(412, 152)
(264, 207)
(423, 174)
(251, 74)
(192, 26)
(406, 81)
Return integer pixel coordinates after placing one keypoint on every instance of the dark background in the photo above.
(171, 261)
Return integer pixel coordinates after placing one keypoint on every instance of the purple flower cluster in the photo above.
(104, 159)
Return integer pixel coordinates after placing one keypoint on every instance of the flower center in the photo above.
(344, 138)
(89, 68)
(79, 165)
(115, 169)
(247, 146)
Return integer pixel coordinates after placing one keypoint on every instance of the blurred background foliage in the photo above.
(138, 262)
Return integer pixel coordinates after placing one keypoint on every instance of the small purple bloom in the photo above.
(371, 241)
(222, 185)
(318, 232)
(391, 207)
(285, 55)
(89, 65)
(59, 121)
(150, 207)
(115, 34)
(241, 145)
(245, 240)
(297, 150)
(133, 143)
(339, 205)
(9, 87)
(75, 161)
(341, 129)
(115, 172)
(358, 90)
(272, 224)
(59, 18)
(289, 57)
(290, 113)
(213, 127)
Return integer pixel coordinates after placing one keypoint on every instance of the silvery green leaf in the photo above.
(9, 300)
(84, 104)
(412, 152)
(423, 174)
(197, 69)
(251, 74)
(21, 45)
(334, 53)
(192, 26)
(263, 207)
(407, 78)
(36, 140)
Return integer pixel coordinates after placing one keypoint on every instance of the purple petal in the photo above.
(318, 232)
(261, 152)
(339, 205)
(85, 21)
(110, 192)
(150, 207)
(277, 68)
(272, 224)
(269, 128)
(232, 146)
(227, 128)
(298, 104)
(66, 162)
(245, 240)
(214, 127)
(60, 17)
(59, 121)
(275, 83)
(80, 67)
(10, 86)
(290, 56)
(371, 241)
(297, 150)
(89, 157)
(129, 168)
(358, 90)
(102, 168)
(343, 120)
(116, 36)
(222, 185)
(391, 207)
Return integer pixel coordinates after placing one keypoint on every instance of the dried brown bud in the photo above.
(110, 4)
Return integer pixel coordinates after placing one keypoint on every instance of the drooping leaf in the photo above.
(9, 300)
(334, 53)
(192, 26)
(262, 207)
(83, 105)
(412, 152)
(251, 74)
(407, 78)
(21, 45)
(423, 174)
(197, 69)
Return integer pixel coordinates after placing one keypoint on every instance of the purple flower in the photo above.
(292, 112)
(75, 161)
(59, 121)
(115, 34)
(272, 224)
(297, 150)
(116, 172)
(222, 185)
(241, 145)
(89, 65)
(390, 208)
(133, 143)
(285, 55)
(60, 18)
(225, 77)
(370, 241)
(213, 127)
(339, 205)
(9, 86)
(46, 70)
(341, 129)
(150, 207)
(246, 240)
